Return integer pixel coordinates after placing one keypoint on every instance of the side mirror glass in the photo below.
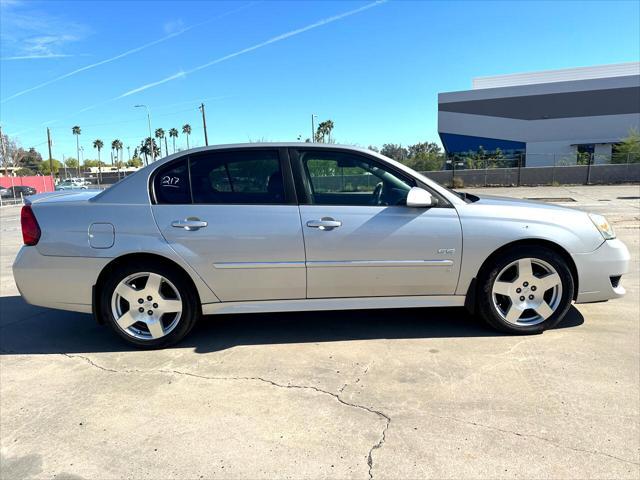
(419, 197)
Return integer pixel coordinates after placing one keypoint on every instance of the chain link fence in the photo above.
(537, 169)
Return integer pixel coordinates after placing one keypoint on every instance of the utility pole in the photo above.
(50, 157)
(153, 153)
(204, 124)
(4, 154)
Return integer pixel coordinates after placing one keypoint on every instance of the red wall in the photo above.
(40, 183)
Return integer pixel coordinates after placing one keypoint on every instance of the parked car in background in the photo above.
(291, 227)
(72, 184)
(16, 190)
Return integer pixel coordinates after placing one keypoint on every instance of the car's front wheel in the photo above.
(150, 306)
(525, 290)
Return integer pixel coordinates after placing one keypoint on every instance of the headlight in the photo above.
(603, 226)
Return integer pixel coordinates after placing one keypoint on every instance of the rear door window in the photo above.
(237, 177)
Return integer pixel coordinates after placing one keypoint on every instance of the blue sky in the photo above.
(262, 68)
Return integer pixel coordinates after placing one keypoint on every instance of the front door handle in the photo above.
(325, 223)
(191, 223)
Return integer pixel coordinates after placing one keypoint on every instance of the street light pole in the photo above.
(313, 128)
(153, 154)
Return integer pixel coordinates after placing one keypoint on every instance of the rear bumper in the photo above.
(596, 269)
(64, 283)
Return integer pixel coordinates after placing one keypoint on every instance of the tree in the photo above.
(146, 145)
(135, 162)
(323, 132)
(422, 148)
(72, 163)
(424, 156)
(173, 133)
(397, 152)
(10, 152)
(31, 159)
(25, 172)
(186, 129)
(97, 143)
(160, 135)
(76, 131)
(45, 169)
(628, 150)
(426, 162)
(117, 146)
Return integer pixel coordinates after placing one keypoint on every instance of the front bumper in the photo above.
(596, 269)
(56, 282)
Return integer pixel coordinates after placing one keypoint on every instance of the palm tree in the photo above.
(146, 146)
(98, 144)
(114, 146)
(173, 133)
(328, 126)
(160, 136)
(117, 146)
(324, 131)
(145, 150)
(76, 131)
(186, 129)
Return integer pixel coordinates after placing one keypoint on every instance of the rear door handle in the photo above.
(191, 223)
(325, 223)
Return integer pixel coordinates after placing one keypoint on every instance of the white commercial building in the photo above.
(544, 117)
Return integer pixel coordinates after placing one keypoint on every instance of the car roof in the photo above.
(130, 188)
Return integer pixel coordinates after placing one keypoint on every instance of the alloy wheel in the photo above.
(527, 292)
(146, 306)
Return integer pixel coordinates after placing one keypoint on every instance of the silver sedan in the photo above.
(292, 227)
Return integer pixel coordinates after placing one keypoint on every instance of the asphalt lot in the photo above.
(382, 394)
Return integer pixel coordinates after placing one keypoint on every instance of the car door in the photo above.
(232, 215)
(361, 239)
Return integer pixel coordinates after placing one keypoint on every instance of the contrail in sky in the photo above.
(37, 57)
(123, 54)
(275, 39)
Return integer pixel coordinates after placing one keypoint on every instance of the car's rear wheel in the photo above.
(149, 306)
(525, 290)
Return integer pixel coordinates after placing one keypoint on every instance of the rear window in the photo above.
(171, 184)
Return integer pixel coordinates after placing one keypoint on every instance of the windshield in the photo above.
(466, 197)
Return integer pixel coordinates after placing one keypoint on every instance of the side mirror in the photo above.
(419, 197)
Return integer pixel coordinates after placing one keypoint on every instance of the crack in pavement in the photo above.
(532, 435)
(378, 413)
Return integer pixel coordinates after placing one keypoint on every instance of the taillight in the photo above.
(30, 227)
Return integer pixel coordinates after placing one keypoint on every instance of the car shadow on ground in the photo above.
(25, 329)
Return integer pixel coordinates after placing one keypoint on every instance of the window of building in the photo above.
(480, 152)
(585, 153)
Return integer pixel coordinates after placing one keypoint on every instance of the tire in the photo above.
(149, 305)
(518, 299)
